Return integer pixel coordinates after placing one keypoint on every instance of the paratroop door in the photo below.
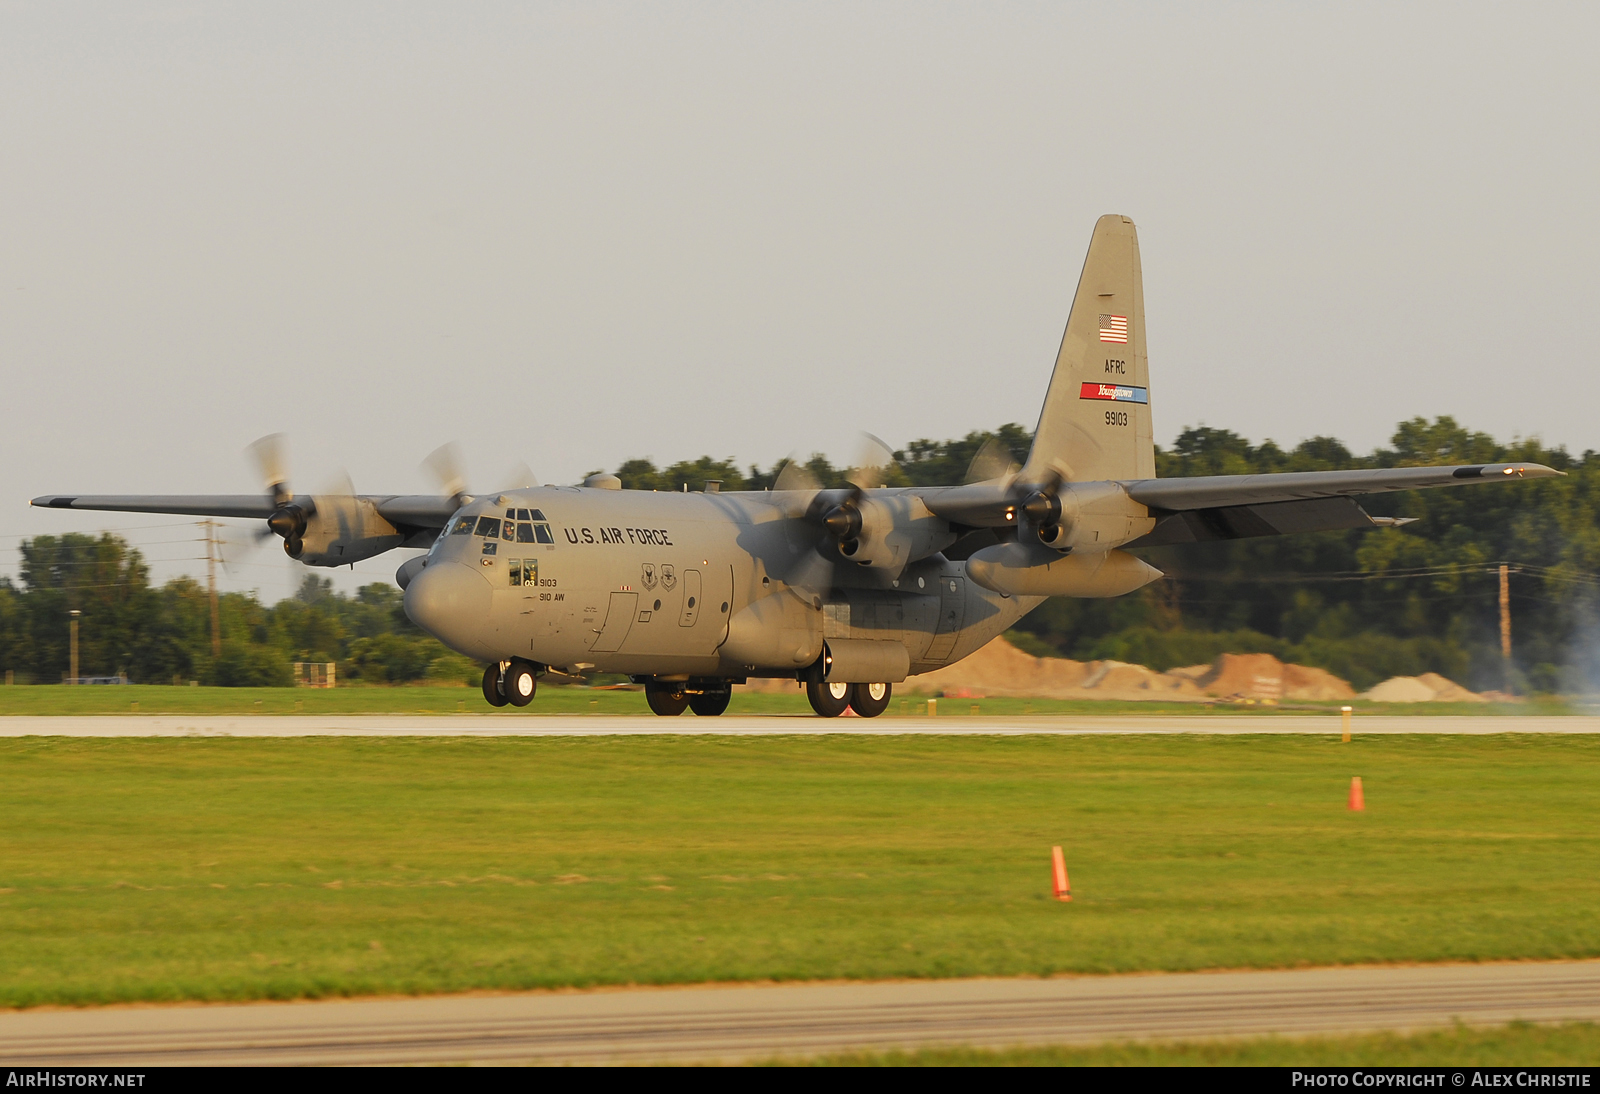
(619, 620)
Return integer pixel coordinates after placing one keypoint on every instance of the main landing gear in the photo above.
(670, 700)
(515, 682)
(830, 698)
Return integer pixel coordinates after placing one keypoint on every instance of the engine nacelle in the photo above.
(338, 531)
(1030, 569)
(1093, 516)
(892, 532)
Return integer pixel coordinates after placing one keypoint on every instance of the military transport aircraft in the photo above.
(847, 591)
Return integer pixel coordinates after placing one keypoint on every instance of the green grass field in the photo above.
(164, 699)
(238, 868)
(1575, 1044)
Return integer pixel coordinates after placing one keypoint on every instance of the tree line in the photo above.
(1363, 604)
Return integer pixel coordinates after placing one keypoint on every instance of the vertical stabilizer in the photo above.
(1096, 419)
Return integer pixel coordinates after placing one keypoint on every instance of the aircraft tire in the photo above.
(520, 684)
(668, 704)
(710, 704)
(870, 700)
(492, 686)
(828, 698)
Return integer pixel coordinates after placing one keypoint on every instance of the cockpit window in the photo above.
(535, 514)
(524, 531)
(489, 526)
(543, 532)
(463, 526)
(509, 531)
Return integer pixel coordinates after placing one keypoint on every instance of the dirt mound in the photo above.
(1263, 676)
(999, 668)
(1430, 687)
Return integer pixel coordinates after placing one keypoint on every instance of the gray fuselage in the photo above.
(648, 583)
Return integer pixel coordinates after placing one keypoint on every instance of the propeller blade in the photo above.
(873, 460)
(796, 476)
(272, 461)
(810, 577)
(993, 460)
(445, 464)
(520, 478)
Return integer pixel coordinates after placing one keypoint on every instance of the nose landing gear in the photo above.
(515, 682)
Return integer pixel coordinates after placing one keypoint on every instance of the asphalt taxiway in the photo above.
(739, 725)
(736, 1023)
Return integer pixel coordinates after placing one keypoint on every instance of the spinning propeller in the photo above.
(810, 576)
(288, 519)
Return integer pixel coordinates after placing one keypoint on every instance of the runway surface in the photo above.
(581, 725)
(731, 1024)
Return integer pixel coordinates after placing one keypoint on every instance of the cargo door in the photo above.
(952, 607)
(619, 620)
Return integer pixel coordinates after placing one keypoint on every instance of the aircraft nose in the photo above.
(451, 602)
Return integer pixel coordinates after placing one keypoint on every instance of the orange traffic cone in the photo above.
(1058, 870)
(1357, 802)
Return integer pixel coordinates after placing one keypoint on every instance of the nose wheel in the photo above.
(511, 682)
(493, 689)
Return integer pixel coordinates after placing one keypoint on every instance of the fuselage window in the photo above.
(542, 532)
(514, 568)
(489, 526)
(524, 532)
(463, 526)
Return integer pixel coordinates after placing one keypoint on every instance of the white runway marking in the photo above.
(580, 725)
(730, 1024)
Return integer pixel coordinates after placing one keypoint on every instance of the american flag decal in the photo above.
(1113, 328)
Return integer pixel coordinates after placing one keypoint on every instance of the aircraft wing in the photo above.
(1237, 506)
(1240, 506)
(408, 510)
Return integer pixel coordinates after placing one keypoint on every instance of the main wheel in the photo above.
(711, 704)
(493, 683)
(868, 700)
(666, 703)
(828, 698)
(520, 683)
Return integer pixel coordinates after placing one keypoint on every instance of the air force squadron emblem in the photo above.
(669, 577)
(647, 575)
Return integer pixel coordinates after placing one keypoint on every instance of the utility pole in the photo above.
(210, 527)
(1505, 620)
(73, 626)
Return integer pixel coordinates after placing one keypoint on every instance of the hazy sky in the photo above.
(568, 234)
